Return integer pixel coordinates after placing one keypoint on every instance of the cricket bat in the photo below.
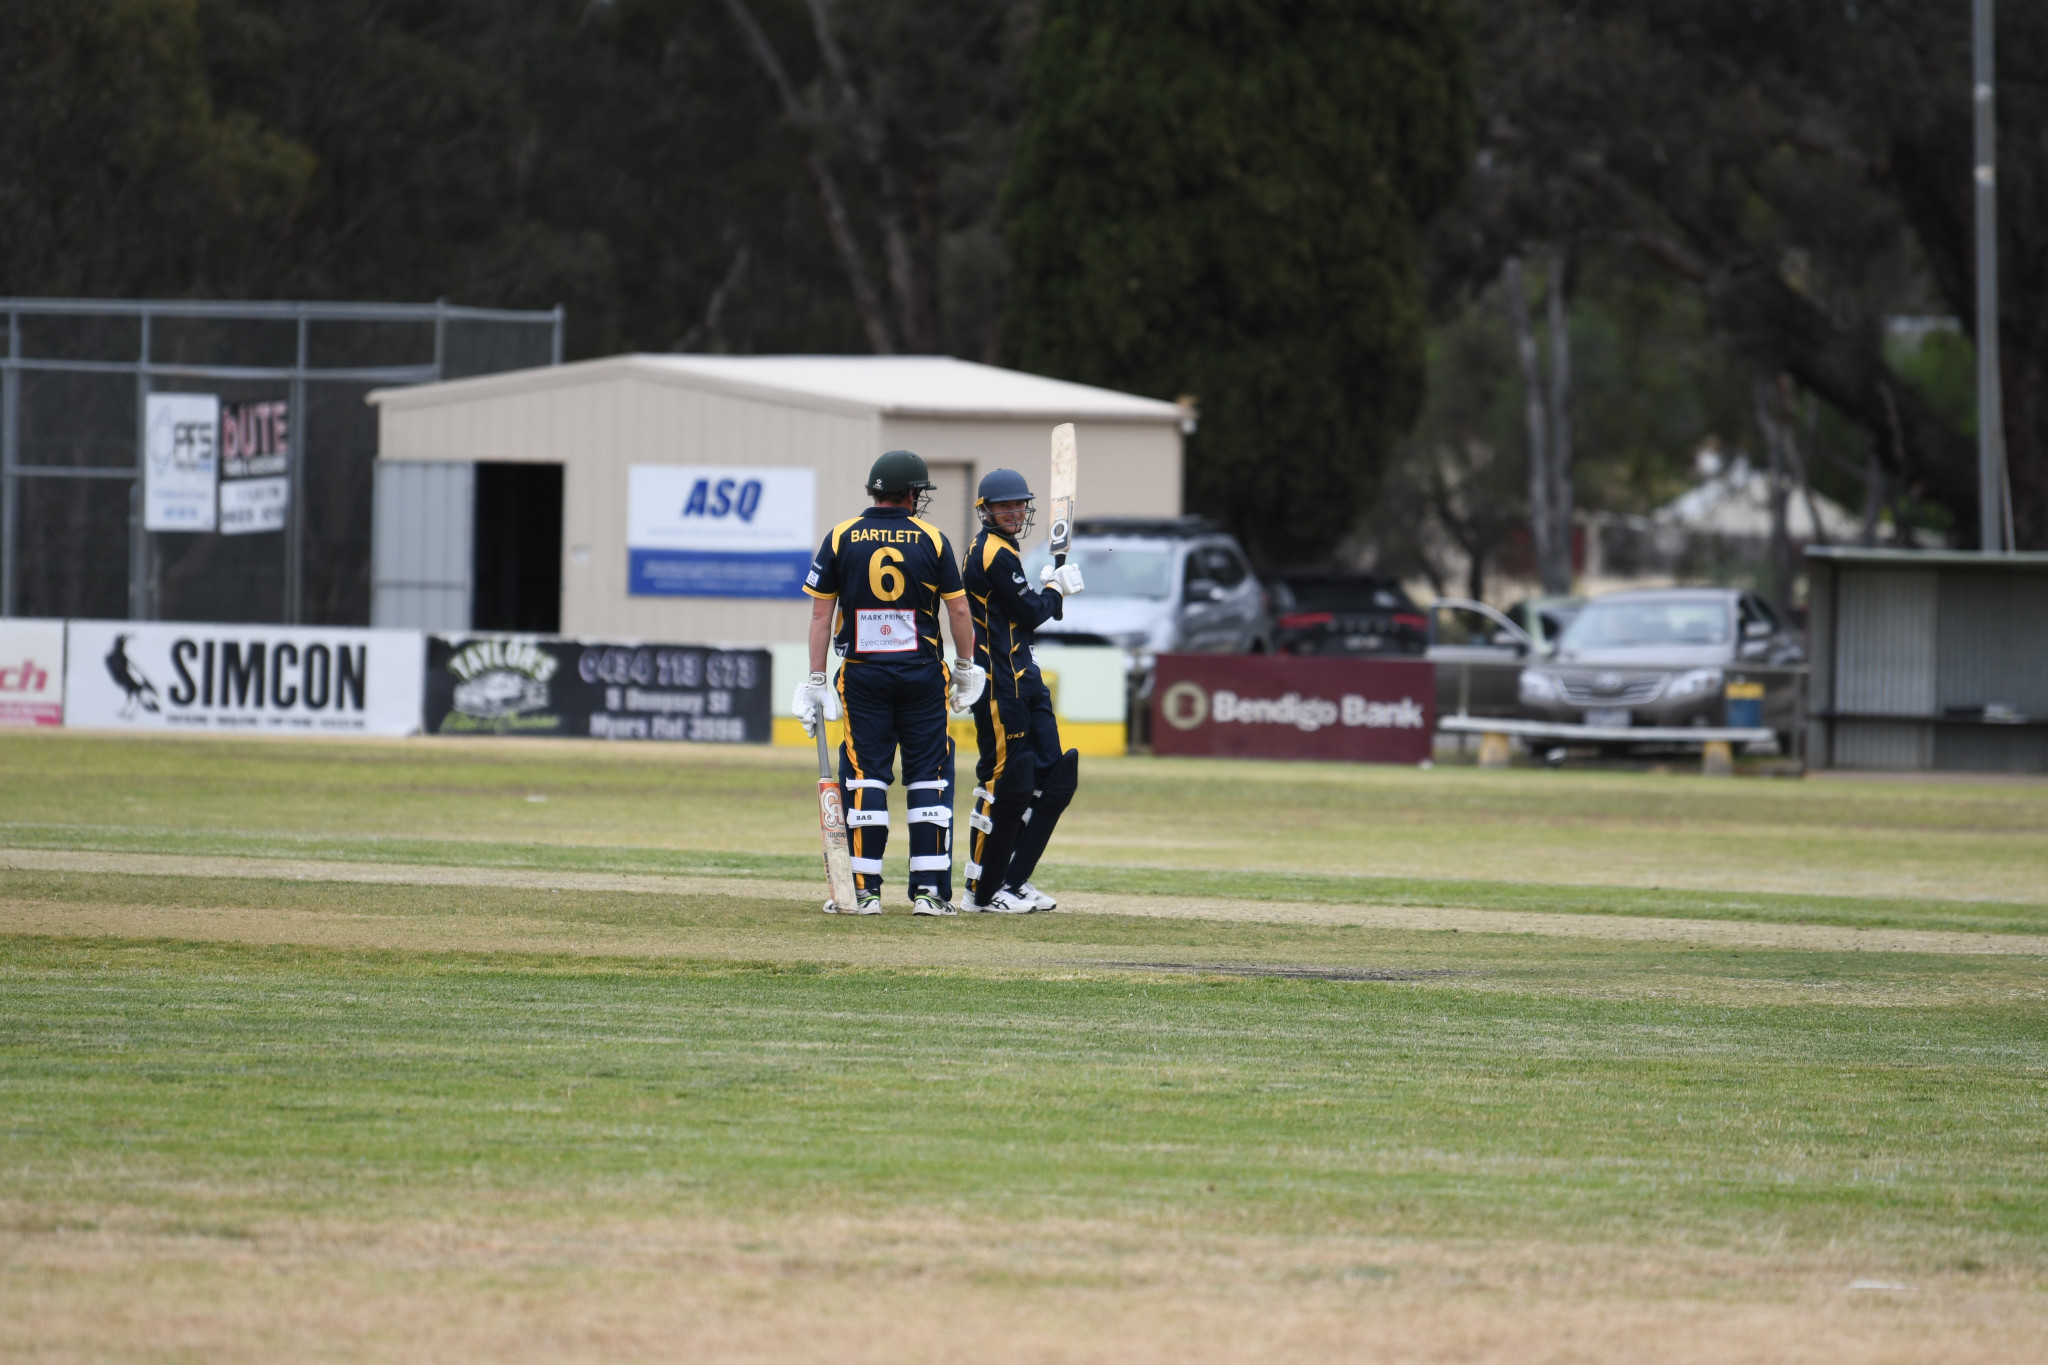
(1066, 469)
(832, 825)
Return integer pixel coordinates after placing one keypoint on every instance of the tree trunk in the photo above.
(1557, 571)
(1764, 394)
(873, 320)
(1537, 422)
(1802, 468)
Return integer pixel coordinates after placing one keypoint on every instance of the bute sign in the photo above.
(1248, 706)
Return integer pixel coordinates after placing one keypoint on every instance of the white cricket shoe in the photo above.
(1005, 902)
(865, 903)
(932, 905)
(1039, 900)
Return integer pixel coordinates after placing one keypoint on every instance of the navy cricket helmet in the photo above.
(1005, 485)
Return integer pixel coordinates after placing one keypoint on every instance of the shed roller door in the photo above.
(423, 516)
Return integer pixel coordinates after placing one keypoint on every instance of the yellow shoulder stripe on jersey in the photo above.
(839, 531)
(991, 546)
(938, 541)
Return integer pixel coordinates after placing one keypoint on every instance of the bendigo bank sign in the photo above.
(135, 675)
(1250, 706)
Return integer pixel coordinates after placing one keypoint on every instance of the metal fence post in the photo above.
(10, 460)
(295, 490)
(561, 321)
(138, 499)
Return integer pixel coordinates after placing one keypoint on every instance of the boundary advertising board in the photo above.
(1253, 706)
(31, 672)
(718, 530)
(318, 680)
(596, 689)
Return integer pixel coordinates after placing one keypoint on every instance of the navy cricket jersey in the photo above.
(889, 571)
(1006, 610)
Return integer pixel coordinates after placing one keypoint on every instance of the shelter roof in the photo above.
(905, 386)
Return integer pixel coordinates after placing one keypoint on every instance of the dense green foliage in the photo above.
(1218, 199)
(1225, 200)
(626, 159)
(1804, 171)
(121, 171)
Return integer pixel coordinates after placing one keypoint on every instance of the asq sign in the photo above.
(718, 531)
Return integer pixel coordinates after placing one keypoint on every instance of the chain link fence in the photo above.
(74, 397)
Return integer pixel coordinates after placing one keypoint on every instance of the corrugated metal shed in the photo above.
(1929, 660)
(421, 526)
(833, 414)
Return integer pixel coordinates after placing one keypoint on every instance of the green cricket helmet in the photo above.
(902, 471)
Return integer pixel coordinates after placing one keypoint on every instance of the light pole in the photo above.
(1990, 405)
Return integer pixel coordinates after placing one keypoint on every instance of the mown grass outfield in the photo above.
(458, 1051)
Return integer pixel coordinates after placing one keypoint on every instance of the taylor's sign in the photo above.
(718, 531)
(31, 672)
(267, 679)
(181, 435)
(521, 685)
(1250, 706)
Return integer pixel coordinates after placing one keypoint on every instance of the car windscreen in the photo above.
(1346, 594)
(1666, 621)
(1114, 570)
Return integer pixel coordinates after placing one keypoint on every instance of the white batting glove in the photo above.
(813, 701)
(1065, 580)
(969, 679)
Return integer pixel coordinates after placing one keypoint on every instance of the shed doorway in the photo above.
(517, 583)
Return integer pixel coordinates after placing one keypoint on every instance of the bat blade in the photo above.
(832, 826)
(1066, 470)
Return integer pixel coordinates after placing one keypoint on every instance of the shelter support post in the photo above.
(10, 461)
(138, 511)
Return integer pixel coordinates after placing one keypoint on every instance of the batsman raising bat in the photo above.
(1023, 778)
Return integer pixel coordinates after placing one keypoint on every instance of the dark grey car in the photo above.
(1666, 656)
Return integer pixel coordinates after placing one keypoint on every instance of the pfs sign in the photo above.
(718, 531)
(181, 435)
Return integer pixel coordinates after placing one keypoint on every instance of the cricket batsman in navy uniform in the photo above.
(880, 581)
(1023, 778)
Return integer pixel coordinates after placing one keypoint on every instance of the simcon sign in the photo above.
(1253, 706)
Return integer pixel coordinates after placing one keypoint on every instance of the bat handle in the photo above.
(1059, 608)
(824, 757)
